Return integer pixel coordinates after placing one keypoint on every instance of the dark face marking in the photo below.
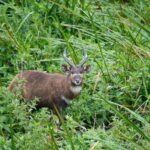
(76, 73)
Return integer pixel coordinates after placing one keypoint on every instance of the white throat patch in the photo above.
(76, 89)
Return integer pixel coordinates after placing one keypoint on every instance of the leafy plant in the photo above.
(113, 110)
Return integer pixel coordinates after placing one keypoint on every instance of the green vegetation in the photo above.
(113, 111)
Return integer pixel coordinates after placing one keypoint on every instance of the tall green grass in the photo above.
(113, 110)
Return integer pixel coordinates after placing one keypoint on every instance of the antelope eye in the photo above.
(72, 72)
(81, 71)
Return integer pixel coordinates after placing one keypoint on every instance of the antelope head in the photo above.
(75, 72)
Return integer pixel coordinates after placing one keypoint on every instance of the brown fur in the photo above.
(48, 88)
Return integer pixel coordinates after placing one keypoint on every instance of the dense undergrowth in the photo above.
(113, 110)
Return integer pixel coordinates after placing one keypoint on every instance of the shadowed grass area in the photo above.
(112, 111)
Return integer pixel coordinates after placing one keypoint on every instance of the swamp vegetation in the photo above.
(113, 110)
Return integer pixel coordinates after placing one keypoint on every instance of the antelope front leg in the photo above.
(57, 108)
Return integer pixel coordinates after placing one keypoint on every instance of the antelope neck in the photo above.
(76, 89)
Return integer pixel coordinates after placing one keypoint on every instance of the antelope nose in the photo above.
(78, 82)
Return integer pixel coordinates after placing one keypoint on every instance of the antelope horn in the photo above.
(67, 59)
(84, 58)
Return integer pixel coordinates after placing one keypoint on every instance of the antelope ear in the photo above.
(65, 68)
(87, 68)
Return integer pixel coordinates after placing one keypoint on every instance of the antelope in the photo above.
(54, 90)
